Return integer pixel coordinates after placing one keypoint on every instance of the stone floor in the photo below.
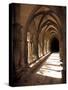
(48, 73)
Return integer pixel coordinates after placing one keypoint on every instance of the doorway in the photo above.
(54, 45)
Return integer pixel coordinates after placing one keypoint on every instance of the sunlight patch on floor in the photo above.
(52, 67)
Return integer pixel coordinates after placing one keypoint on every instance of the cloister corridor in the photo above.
(38, 45)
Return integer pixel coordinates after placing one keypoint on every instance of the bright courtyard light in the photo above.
(52, 67)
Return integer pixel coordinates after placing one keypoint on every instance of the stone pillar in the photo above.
(29, 52)
(35, 47)
(29, 48)
(44, 46)
(39, 51)
(47, 46)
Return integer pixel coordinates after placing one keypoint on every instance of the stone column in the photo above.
(44, 46)
(29, 48)
(29, 52)
(47, 46)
